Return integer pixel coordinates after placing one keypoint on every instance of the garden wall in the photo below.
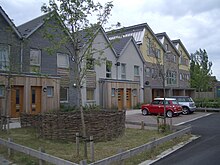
(102, 125)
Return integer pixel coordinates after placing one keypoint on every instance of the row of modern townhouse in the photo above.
(38, 81)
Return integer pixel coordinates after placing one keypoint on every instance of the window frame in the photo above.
(108, 70)
(67, 95)
(6, 61)
(50, 88)
(39, 54)
(62, 65)
(123, 71)
(2, 91)
(136, 70)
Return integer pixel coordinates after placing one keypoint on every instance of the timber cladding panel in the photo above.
(91, 79)
(102, 125)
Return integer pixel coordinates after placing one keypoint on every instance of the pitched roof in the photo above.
(31, 26)
(120, 44)
(178, 41)
(164, 34)
(8, 20)
(137, 31)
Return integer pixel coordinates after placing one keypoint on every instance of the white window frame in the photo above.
(50, 91)
(4, 56)
(123, 71)
(35, 57)
(62, 60)
(136, 70)
(148, 72)
(108, 70)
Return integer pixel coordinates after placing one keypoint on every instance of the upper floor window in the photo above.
(4, 57)
(35, 57)
(166, 47)
(171, 77)
(123, 71)
(149, 46)
(148, 72)
(62, 60)
(108, 69)
(158, 54)
(136, 70)
(90, 64)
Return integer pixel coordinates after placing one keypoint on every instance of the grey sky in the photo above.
(195, 22)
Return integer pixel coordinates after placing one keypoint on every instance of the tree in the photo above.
(74, 15)
(200, 71)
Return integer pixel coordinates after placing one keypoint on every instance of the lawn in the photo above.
(67, 150)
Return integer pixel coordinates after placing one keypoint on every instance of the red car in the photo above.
(157, 107)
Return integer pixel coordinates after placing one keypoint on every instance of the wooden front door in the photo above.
(35, 100)
(120, 98)
(128, 98)
(17, 93)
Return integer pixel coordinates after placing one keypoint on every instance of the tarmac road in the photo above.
(203, 151)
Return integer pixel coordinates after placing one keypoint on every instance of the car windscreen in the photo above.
(185, 99)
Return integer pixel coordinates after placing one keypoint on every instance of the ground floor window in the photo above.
(90, 94)
(64, 94)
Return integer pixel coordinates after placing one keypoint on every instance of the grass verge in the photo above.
(67, 150)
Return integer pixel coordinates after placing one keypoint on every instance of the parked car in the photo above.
(187, 103)
(157, 107)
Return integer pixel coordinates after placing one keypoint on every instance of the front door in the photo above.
(128, 98)
(35, 100)
(120, 98)
(16, 101)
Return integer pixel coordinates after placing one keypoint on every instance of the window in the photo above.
(2, 91)
(62, 60)
(148, 72)
(134, 92)
(90, 94)
(35, 57)
(64, 94)
(136, 70)
(108, 69)
(166, 47)
(4, 57)
(90, 64)
(50, 91)
(171, 77)
(181, 76)
(123, 71)
(113, 91)
(158, 53)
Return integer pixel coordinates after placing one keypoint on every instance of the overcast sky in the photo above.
(195, 22)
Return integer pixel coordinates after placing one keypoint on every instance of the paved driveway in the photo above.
(136, 116)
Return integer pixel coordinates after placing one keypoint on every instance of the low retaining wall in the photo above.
(102, 125)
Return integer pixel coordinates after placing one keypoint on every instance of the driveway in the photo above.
(135, 116)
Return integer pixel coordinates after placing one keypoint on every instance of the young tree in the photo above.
(75, 15)
(200, 71)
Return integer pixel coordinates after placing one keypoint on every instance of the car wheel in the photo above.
(185, 111)
(145, 112)
(169, 114)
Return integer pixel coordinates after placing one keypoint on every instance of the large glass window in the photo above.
(63, 94)
(148, 72)
(62, 60)
(4, 57)
(35, 57)
(108, 69)
(171, 77)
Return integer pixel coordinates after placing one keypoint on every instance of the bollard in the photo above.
(9, 149)
(92, 148)
(142, 125)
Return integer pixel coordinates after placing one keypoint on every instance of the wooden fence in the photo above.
(35, 153)
(115, 158)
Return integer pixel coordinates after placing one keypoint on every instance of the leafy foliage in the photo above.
(200, 71)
